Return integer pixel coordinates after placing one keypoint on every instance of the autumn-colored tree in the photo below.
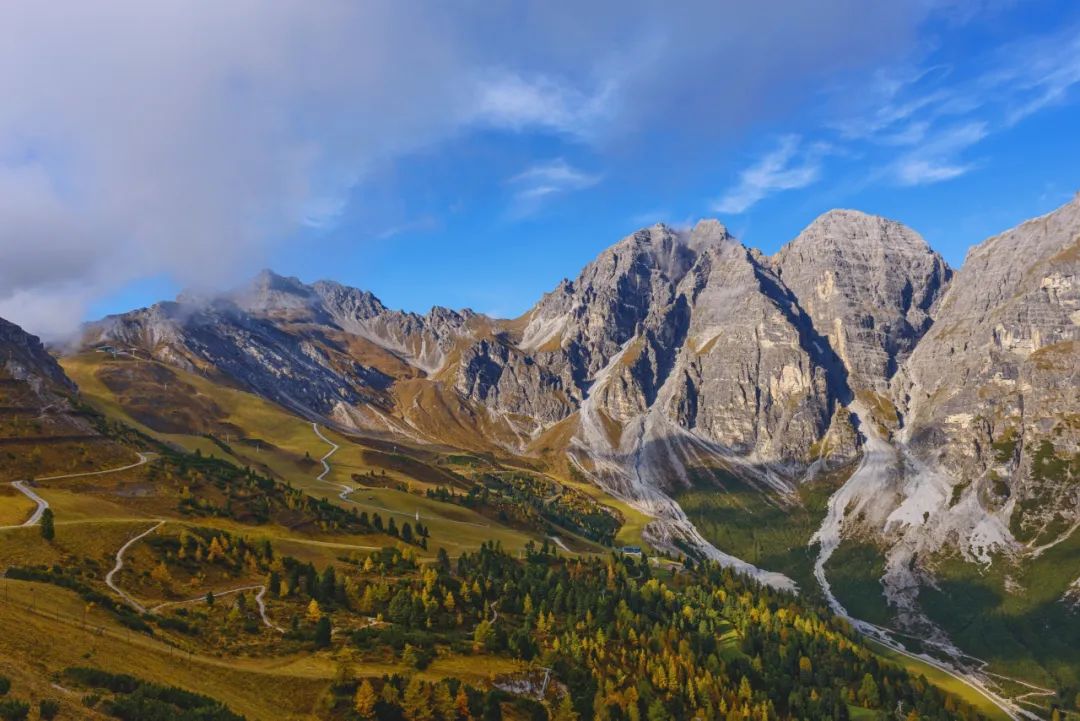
(365, 700)
(161, 574)
(390, 695)
(806, 669)
(565, 710)
(314, 613)
(416, 703)
(483, 635)
(461, 703)
(443, 702)
(869, 694)
(216, 551)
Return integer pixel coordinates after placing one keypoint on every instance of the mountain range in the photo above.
(943, 404)
(677, 351)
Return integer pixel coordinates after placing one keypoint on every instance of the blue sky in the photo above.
(474, 158)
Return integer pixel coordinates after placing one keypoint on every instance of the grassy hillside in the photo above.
(248, 580)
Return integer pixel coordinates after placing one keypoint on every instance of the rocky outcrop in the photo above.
(869, 286)
(504, 379)
(23, 358)
(991, 394)
(304, 371)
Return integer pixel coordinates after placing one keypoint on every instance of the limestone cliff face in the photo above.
(869, 285)
(748, 382)
(582, 324)
(992, 392)
(503, 378)
(679, 353)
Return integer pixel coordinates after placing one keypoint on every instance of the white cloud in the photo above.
(788, 167)
(538, 182)
(937, 159)
(510, 101)
(183, 139)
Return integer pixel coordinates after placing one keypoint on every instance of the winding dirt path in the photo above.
(120, 564)
(346, 490)
(332, 451)
(260, 602)
(143, 458)
(42, 504)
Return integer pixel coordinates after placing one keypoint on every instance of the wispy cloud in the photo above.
(929, 117)
(791, 165)
(539, 182)
(512, 101)
(939, 158)
(422, 224)
(1044, 75)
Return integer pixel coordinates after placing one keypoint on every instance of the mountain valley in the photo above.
(848, 442)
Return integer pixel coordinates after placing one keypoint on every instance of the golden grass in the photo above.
(284, 439)
(15, 507)
(48, 629)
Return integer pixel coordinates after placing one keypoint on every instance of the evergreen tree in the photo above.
(417, 701)
(869, 694)
(48, 530)
(492, 707)
(565, 710)
(323, 633)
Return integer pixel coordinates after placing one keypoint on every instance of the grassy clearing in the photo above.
(942, 680)
(49, 628)
(44, 633)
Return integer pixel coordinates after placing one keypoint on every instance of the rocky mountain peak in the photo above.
(347, 301)
(868, 285)
(269, 292)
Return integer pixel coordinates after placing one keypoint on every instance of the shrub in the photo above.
(48, 708)
(13, 710)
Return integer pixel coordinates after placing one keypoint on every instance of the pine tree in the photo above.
(492, 708)
(565, 710)
(443, 702)
(48, 530)
(417, 701)
(365, 700)
(323, 633)
(869, 693)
